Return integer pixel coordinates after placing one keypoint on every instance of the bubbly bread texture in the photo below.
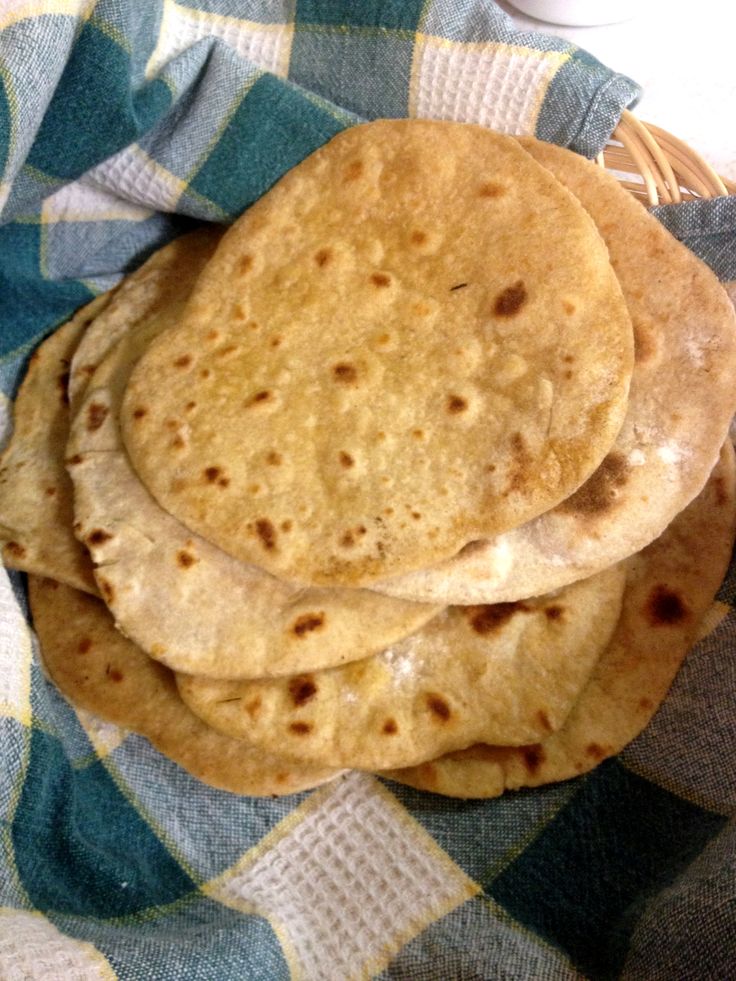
(681, 402)
(508, 673)
(412, 341)
(101, 671)
(183, 600)
(670, 586)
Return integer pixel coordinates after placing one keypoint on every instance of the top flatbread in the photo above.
(414, 340)
(681, 401)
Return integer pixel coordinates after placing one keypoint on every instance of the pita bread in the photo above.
(99, 670)
(671, 585)
(327, 446)
(681, 402)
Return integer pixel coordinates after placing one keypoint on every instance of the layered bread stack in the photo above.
(422, 469)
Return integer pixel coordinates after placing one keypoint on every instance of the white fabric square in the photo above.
(139, 178)
(83, 201)
(346, 880)
(497, 85)
(266, 45)
(15, 656)
(33, 949)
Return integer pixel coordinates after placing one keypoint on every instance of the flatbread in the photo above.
(681, 402)
(671, 585)
(102, 672)
(35, 491)
(413, 340)
(183, 600)
(508, 673)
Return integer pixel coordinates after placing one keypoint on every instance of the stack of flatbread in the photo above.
(421, 468)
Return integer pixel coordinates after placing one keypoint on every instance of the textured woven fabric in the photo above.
(123, 122)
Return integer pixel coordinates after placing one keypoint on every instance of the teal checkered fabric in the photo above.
(122, 124)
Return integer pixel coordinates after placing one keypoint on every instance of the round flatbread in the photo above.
(412, 341)
(510, 672)
(102, 672)
(681, 402)
(671, 585)
(182, 599)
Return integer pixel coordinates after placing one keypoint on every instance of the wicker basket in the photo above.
(657, 167)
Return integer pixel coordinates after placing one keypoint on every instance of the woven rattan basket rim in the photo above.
(658, 167)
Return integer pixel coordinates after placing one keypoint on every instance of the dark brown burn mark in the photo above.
(239, 312)
(599, 492)
(456, 404)
(113, 674)
(177, 443)
(308, 622)
(418, 433)
(262, 396)
(50, 492)
(226, 351)
(106, 588)
(568, 307)
(322, 257)
(554, 612)
(459, 286)
(439, 706)
(486, 619)
(185, 559)
(345, 459)
(273, 459)
(543, 720)
(96, 415)
(665, 607)
(14, 549)
(344, 372)
(595, 751)
(205, 373)
(418, 238)
(98, 537)
(140, 412)
(189, 406)
(646, 703)
(84, 645)
(253, 707)
(349, 537)
(63, 383)
(302, 689)
(184, 361)
(300, 728)
(511, 300)
(276, 341)
(267, 533)
(75, 460)
(645, 341)
(390, 727)
(212, 474)
(286, 525)
(245, 264)
(380, 279)
(354, 170)
(532, 756)
(490, 190)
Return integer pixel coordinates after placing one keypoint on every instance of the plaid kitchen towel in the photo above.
(122, 122)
